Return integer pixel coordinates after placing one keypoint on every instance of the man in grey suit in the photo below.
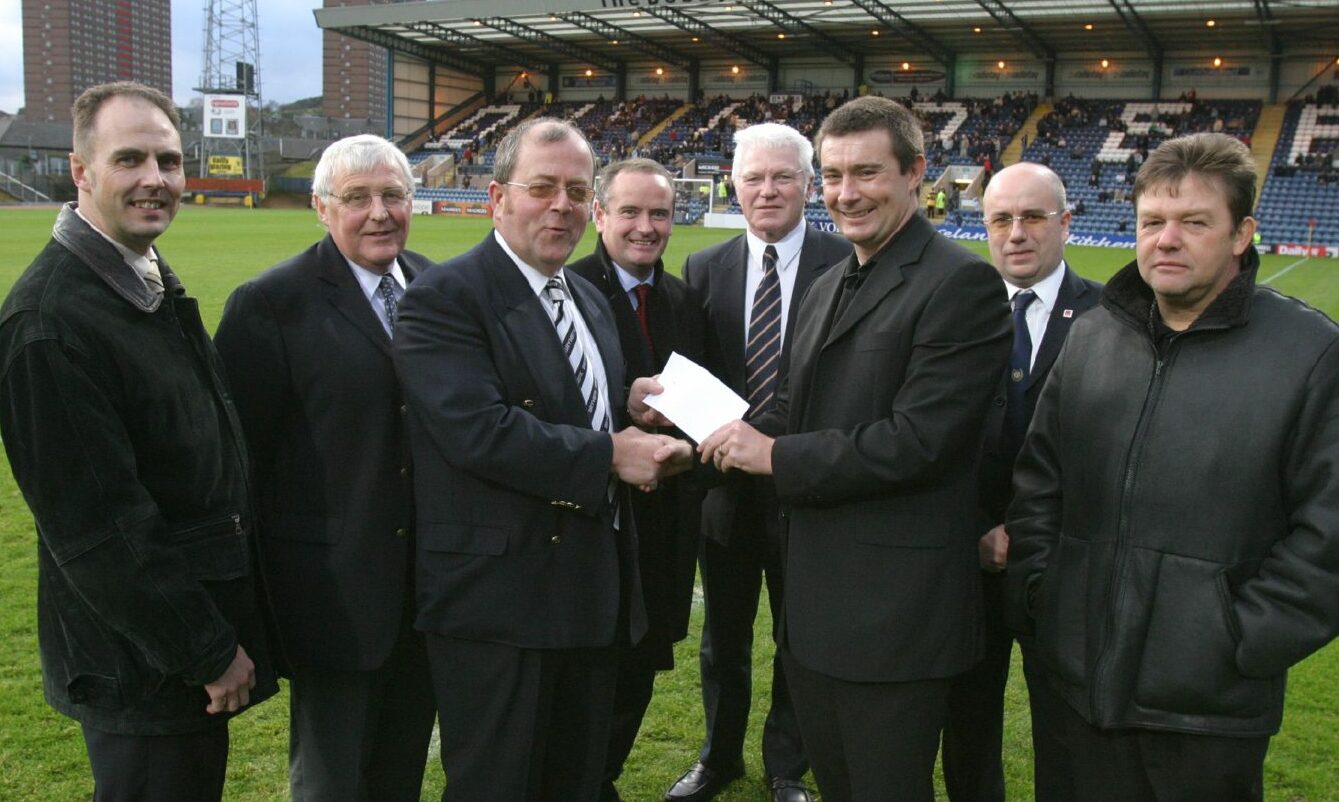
(770, 266)
(307, 345)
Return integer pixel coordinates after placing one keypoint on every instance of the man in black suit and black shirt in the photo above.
(655, 317)
(1027, 225)
(773, 261)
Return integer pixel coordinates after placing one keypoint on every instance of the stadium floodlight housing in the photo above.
(231, 76)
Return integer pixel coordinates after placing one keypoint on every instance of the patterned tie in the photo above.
(153, 277)
(387, 290)
(643, 292)
(1020, 365)
(596, 409)
(762, 352)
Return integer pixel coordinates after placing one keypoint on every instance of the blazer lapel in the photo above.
(533, 336)
(604, 331)
(346, 295)
(1067, 308)
(727, 291)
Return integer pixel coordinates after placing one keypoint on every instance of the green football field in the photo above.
(213, 250)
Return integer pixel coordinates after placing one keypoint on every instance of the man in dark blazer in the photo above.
(1027, 225)
(655, 317)
(773, 174)
(872, 446)
(307, 345)
(527, 554)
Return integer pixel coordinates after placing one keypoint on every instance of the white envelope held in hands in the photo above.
(695, 400)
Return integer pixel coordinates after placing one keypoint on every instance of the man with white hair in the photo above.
(307, 345)
(751, 286)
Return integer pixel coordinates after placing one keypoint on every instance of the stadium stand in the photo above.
(1303, 183)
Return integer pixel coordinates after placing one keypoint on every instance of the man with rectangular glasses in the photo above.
(1027, 224)
(307, 345)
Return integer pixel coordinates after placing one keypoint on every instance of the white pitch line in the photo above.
(1301, 261)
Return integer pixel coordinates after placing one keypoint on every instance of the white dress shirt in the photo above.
(370, 281)
(787, 261)
(1038, 313)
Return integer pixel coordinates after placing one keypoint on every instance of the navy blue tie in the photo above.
(762, 352)
(1020, 365)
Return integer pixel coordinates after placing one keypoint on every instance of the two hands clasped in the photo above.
(736, 445)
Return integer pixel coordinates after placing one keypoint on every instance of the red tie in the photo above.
(643, 294)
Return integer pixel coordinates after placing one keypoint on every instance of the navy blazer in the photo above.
(516, 542)
(311, 373)
(1077, 295)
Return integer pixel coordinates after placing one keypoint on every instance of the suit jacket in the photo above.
(717, 275)
(516, 542)
(311, 371)
(668, 519)
(1077, 295)
(881, 417)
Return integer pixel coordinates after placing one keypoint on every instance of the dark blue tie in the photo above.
(1020, 365)
(762, 352)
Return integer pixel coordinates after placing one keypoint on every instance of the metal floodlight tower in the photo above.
(232, 125)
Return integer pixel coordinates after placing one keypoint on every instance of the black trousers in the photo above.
(158, 768)
(974, 730)
(869, 741)
(732, 578)
(522, 725)
(1132, 765)
(1052, 768)
(362, 736)
(637, 668)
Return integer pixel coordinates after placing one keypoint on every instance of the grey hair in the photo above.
(552, 129)
(773, 135)
(359, 154)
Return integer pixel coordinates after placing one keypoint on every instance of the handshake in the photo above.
(642, 459)
(734, 446)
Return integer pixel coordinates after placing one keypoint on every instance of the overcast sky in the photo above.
(290, 50)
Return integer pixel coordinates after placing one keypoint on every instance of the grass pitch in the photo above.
(213, 250)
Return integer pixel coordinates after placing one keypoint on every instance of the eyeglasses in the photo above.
(360, 199)
(1002, 223)
(780, 179)
(580, 194)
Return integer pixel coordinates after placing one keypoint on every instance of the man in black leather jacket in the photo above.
(122, 436)
(1175, 528)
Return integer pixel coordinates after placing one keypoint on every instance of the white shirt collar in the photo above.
(139, 261)
(370, 280)
(537, 278)
(787, 248)
(1047, 290)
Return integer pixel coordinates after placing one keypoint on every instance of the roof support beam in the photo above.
(439, 55)
(574, 52)
(621, 35)
(795, 26)
(487, 51)
(889, 18)
(1136, 25)
(1020, 30)
(704, 31)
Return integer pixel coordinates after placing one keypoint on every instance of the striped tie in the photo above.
(762, 352)
(556, 292)
(153, 277)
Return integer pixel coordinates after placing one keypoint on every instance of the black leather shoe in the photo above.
(700, 783)
(790, 791)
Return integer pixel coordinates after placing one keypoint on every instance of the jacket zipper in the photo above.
(1115, 590)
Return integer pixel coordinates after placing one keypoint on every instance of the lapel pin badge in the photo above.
(1068, 313)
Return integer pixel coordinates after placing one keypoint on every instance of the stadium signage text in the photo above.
(978, 234)
(1293, 249)
(905, 76)
(651, 3)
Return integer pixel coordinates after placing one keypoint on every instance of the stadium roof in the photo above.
(479, 36)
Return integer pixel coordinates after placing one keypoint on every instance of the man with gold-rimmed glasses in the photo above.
(527, 552)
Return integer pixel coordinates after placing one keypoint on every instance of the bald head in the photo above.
(1026, 222)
